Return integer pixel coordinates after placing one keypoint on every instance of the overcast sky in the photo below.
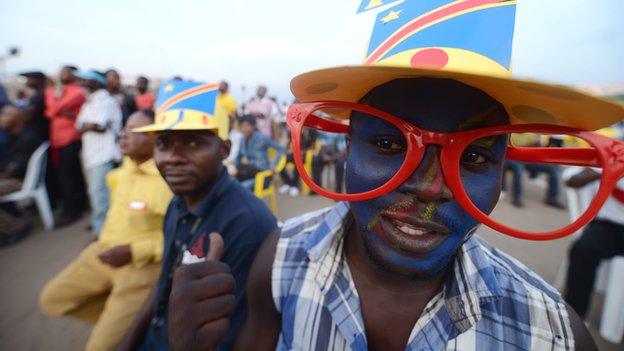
(252, 41)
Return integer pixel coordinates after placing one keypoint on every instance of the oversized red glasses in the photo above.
(396, 148)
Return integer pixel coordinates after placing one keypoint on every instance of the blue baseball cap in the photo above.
(91, 75)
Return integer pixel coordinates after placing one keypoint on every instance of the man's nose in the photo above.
(177, 154)
(427, 182)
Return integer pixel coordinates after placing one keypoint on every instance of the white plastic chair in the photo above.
(608, 275)
(612, 319)
(33, 186)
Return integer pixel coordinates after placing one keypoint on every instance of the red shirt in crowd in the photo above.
(62, 111)
(145, 101)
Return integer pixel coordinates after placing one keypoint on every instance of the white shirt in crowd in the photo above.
(612, 210)
(235, 138)
(98, 148)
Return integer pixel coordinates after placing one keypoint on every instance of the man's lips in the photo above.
(177, 176)
(408, 232)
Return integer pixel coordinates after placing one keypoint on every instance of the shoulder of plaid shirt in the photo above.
(301, 297)
(139, 198)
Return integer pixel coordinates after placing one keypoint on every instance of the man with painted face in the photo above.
(397, 266)
(212, 217)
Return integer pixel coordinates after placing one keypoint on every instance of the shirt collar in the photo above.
(224, 181)
(471, 283)
(328, 232)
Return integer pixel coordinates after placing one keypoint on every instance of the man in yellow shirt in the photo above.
(109, 281)
(225, 101)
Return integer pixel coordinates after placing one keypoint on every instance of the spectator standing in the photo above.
(534, 169)
(35, 105)
(99, 122)
(144, 100)
(124, 99)
(226, 101)
(122, 266)
(261, 107)
(23, 141)
(62, 109)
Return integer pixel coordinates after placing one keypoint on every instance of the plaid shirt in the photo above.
(489, 302)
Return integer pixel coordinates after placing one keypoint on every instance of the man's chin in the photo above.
(182, 189)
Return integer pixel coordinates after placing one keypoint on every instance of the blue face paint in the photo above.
(375, 156)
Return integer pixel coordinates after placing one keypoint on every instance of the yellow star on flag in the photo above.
(168, 88)
(373, 4)
(391, 16)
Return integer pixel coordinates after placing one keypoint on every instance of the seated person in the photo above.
(333, 151)
(253, 152)
(552, 195)
(291, 177)
(110, 279)
(22, 141)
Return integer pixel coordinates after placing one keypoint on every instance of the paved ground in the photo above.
(29, 264)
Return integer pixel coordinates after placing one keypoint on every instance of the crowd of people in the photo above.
(81, 116)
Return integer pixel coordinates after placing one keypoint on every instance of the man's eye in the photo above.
(388, 145)
(475, 157)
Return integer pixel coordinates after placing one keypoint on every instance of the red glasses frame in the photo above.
(604, 152)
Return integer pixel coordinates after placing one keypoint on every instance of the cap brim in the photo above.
(180, 126)
(525, 101)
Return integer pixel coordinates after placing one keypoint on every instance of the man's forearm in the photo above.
(135, 334)
(585, 177)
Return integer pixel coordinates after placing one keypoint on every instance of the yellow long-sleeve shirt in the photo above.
(138, 202)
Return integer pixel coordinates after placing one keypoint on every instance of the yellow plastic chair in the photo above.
(307, 165)
(269, 192)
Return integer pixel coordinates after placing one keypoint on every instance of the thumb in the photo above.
(215, 250)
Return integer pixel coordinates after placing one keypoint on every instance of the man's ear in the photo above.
(226, 147)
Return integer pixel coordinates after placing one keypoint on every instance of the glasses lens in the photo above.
(376, 150)
(534, 197)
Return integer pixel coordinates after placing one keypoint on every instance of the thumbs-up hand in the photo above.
(201, 301)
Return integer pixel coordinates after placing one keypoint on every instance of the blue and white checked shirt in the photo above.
(490, 302)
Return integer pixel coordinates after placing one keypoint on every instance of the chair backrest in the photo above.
(35, 173)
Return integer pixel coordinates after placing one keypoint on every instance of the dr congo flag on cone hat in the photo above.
(185, 105)
(467, 40)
